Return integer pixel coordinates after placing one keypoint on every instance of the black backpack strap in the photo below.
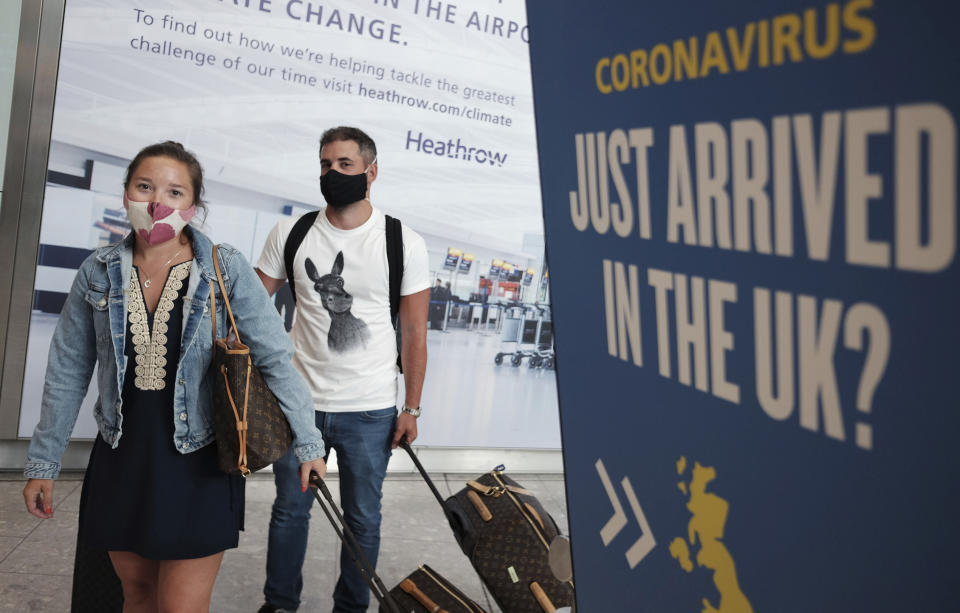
(395, 266)
(294, 239)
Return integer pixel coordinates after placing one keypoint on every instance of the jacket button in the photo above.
(181, 381)
(183, 417)
(102, 302)
(184, 445)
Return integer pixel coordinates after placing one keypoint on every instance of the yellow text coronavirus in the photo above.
(815, 33)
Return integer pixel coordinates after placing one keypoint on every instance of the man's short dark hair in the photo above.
(368, 149)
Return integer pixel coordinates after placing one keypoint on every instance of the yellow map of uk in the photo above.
(706, 528)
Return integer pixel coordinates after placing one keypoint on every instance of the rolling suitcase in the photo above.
(507, 535)
(424, 590)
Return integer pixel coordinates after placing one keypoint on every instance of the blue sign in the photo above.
(751, 224)
(453, 257)
(465, 261)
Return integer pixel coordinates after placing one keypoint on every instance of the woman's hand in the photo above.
(38, 496)
(318, 466)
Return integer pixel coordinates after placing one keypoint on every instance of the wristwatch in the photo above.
(415, 412)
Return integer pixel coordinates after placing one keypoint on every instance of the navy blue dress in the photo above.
(145, 496)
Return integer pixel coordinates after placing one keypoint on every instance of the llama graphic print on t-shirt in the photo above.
(347, 332)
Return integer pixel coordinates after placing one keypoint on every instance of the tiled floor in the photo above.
(36, 556)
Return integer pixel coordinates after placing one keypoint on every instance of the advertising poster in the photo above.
(751, 223)
(528, 276)
(452, 259)
(249, 87)
(465, 262)
(495, 267)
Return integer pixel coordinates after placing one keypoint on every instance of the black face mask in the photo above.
(340, 190)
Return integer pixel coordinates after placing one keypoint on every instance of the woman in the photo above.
(153, 495)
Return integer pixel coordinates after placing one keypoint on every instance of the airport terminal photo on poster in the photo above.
(249, 87)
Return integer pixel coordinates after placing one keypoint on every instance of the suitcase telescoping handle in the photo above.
(423, 472)
(350, 542)
(454, 524)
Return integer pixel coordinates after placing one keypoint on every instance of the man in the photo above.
(436, 312)
(346, 348)
(485, 286)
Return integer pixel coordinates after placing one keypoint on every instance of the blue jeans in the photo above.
(362, 441)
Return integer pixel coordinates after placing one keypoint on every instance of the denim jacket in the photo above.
(92, 329)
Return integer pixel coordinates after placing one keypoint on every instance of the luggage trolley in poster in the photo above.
(536, 337)
(543, 355)
(529, 333)
(511, 326)
(522, 331)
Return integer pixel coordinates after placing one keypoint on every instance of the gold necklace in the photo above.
(147, 283)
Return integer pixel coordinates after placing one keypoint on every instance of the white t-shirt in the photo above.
(346, 347)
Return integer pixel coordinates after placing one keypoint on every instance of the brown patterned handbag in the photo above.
(252, 431)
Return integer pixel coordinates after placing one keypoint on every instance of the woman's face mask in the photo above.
(155, 222)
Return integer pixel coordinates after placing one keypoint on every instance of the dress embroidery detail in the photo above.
(150, 346)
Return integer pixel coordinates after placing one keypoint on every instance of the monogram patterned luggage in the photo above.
(508, 536)
(427, 591)
(423, 590)
(330, 509)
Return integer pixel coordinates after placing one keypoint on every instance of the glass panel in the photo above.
(452, 113)
(9, 35)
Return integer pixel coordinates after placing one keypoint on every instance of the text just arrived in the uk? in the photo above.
(733, 188)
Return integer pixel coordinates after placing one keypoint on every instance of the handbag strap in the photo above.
(213, 314)
(241, 422)
(223, 292)
(239, 417)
